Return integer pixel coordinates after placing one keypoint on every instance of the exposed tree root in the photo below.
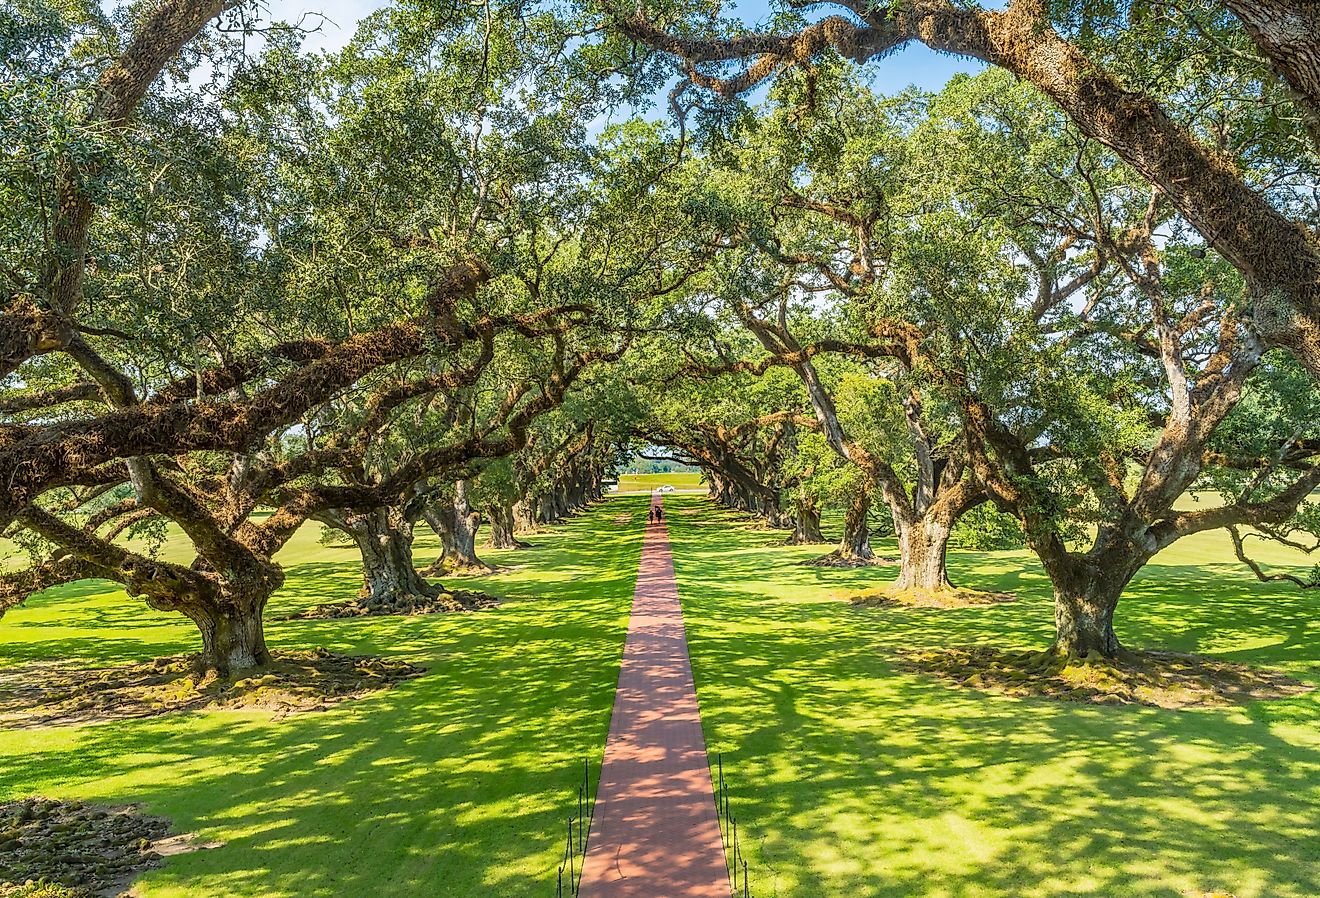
(480, 569)
(444, 569)
(48, 693)
(513, 544)
(442, 603)
(837, 559)
(1157, 679)
(68, 849)
(928, 598)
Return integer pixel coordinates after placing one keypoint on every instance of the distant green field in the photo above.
(679, 481)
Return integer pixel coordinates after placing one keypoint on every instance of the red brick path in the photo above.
(655, 832)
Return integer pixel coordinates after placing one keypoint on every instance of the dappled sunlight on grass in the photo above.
(452, 784)
(853, 778)
(849, 777)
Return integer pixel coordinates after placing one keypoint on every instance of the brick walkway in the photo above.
(655, 832)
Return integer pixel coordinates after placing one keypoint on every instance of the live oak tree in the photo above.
(1087, 57)
(224, 414)
(36, 325)
(743, 432)
(815, 198)
(1089, 418)
(249, 293)
(1088, 365)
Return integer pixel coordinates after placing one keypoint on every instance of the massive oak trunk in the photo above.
(856, 541)
(923, 546)
(390, 576)
(384, 537)
(524, 515)
(774, 515)
(806, 526)
(233, 635)
(1087, 589)
(456, 523)
(1084, 618)
(718, 487)
(502, 527)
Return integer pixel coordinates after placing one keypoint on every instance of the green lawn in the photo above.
(853, 779)
(648, 482)
(848, 778)
(454, 784)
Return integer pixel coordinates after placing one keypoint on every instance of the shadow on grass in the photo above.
(852, 778)
(453, 784)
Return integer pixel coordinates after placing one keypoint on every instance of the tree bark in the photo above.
(524, 515)
(456, 523)
(1087, 587)
(233, 636)
(1084, 616)
(923, 546)
(384, 537)
(1287, 33)
(856, 541)
(502, 527)
(774, 516)
(806, 526)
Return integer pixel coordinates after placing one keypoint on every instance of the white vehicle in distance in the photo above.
(666, 488)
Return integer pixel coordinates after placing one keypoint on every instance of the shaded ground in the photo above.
(837, 560)
(445, 602)
(62, 693)
(1157, 679)
(851, 777)
(86, 849)
(450, 785)
(945, 599)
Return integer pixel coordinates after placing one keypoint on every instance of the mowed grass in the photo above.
(680, 481)
(850, 778)
(454, 784)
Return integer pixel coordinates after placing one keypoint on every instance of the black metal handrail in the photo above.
(579, 835)
(734, 861)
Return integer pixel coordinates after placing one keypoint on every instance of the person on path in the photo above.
(659, 513)
(650, 515)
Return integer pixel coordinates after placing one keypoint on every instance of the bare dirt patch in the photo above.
(69, 848)
(446, 602)
(944, 599)
(60, 693)
(1156, 679)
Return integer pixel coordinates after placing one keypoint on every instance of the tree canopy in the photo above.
(453, 272)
